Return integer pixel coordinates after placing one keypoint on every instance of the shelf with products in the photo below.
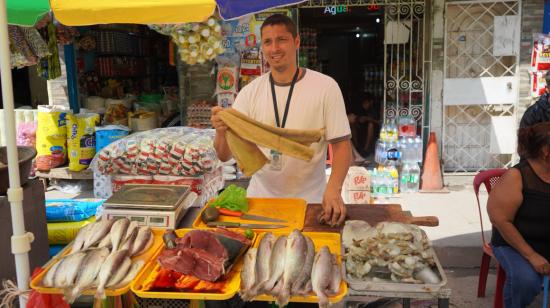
(132, 55)
(374, 80)
(308, 47)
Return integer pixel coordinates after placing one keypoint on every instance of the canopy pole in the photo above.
(20, 239)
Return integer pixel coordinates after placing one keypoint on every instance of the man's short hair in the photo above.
(280, 19)
(547, 79)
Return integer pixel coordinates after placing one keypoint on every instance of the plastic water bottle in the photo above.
(374, 184)
(405, 176)
(414, 178)
(418, 148)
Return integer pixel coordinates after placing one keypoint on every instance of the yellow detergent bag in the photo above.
(81, 139)
(60, 233)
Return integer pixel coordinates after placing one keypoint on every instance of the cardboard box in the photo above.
(358, 178)
(356, 196)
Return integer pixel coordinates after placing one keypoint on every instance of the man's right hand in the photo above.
(217, 123)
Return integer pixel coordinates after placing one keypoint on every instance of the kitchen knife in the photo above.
(229, 224)
(245, 216)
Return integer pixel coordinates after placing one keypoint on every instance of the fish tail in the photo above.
(283, 297)
(71, 296)
(323, 301)
(100, 293)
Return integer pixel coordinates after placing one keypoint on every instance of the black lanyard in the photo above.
(287, 100)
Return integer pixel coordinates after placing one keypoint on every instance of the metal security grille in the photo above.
(406, 59)
(469, 53)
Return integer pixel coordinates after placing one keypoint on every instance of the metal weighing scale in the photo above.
(159, 206)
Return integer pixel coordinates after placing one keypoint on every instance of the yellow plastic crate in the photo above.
(233, 280)
(320, 239)
(146, 257)
(291, 210)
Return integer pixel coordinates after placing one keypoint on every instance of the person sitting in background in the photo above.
(519, 209)
(363, 123)
(540, 111)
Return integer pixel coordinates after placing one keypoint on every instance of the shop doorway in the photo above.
(347, 43)
(394, 62)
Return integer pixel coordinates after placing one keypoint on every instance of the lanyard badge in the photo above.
(276, 156)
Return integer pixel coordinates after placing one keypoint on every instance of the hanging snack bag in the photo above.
(81, 139)
(51, 137)
(541, 52)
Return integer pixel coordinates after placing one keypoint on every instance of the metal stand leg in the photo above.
(406, 303)
(443, 302)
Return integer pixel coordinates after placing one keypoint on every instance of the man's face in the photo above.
(279, 47)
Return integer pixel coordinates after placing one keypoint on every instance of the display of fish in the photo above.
(144, 240)
(261, 271)
(105, 242)
(298, 288)
(276, 263)
(130, 240)
(108, 268)
(88, 272)
(295, 257)
(248, 277)
(120, 272)
(132, 272)
(100, 258)
(48, 281)
(97, 232)
(321, 275)
(65, 274)
(118, 232)
(81, 238)
(336, 277)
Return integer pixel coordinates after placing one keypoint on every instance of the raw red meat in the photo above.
(204, 240)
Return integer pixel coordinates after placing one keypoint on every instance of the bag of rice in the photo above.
(51, 137)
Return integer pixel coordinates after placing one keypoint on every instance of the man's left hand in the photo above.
(334, 210)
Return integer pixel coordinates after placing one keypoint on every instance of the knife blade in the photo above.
(261, 218)
(229, 224)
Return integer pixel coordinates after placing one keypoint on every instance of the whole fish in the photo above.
(88, 272)
(144, 240)
(108, 268)
(47, 281)
(261, 270)
(336, 277)
(131, 227)
(132, 272)
(97, 232)
(276, 263)
(66, 273)
(305, 275)
(81, 238)
(321, 275)
(120, 272)
(118, 232)
(247, 273)
(130, 240)
(105, 242)
(295, 258)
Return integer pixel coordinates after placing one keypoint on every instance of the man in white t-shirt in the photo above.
(296, 98)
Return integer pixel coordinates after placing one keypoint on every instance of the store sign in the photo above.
(336, 9)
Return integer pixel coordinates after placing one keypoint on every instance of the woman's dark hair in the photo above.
(532, 139)
(280, 19)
